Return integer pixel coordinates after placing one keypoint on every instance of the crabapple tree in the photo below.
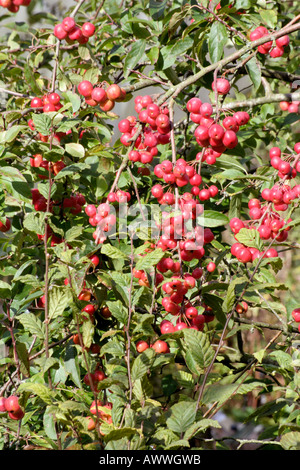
(149, 219)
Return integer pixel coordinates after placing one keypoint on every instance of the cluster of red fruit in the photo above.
(103, 218)
(119, 196)
(37, 161)
(214, 137)
(96, 409)
(71, 32)
(229, 128)
(14, 5)
(98, 95)
(248, 255)
(180, 175)
(285, 163)
(189, 318)
(176, 230)
(156, 128)
(290, 107)
(176, 288)
(92, 379)
(276, 50)
(264, 217)
(159, 346)
(47, 104)
(11, 406)
(73, 203)
(54, 239)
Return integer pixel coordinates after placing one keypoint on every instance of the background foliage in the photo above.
(159, 401)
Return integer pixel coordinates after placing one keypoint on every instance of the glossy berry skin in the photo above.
(277, 52)
(99, 375)
(90, 309)
(166, 327)
(54, 98)
(105, 312)
(193, 105)
(242, 307)
(4, 227)
(59, 32)
(141, 346)
(230, 139)
(160, 347)
(113, 92)
(211, 267)
(191, 313)
(180, 326)
(16, 415)
(12, 403)
(85, 88)
(68, 24)
(2, 405)
(88, 29)
(296, 315)
(222, 86)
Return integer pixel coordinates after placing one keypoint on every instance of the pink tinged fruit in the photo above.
(59, 32)
(222, 86)
(85, 88)
(88, 29)
(296, 315)
(68, 24)
(2, 405)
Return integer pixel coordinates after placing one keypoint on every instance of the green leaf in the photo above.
(134, 55)
(250, 238)
(30, 79)
(220, 393)
(49, 422)
(59, 299)
(114, 347)
(181, 416)
(117, 434)
(72, 170)
(150, 259)
(235, 206)
(5, 290)
(118, 310)
(73, 233)
(76, 150)
(10, 135)
(200, 427)
(35, 222)
(142, 364)
(88, 330)
(33, 324)
(112, 252)
(229, 299)
(142, 389)
(214, 219)
(269, 17)
(291, 440)
(37, 389)
(254, 71)
(216, 41)
(71, 365)
(23, 358)
(197, 349)
(157, 8)
(42, 123)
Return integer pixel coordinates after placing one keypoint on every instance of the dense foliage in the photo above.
(150, 184)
